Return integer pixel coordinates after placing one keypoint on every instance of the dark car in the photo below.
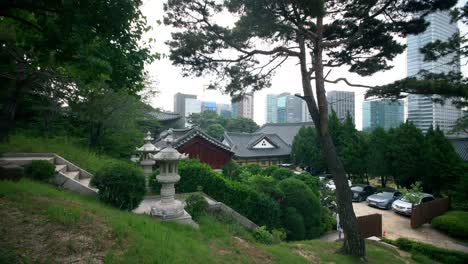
(361, 192)
(383, 199)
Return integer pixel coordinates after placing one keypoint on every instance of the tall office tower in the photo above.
(422, 110)
(180, 102)
(192, 106)
(305, 113)
(384, 113)
(244, 107)
(284, 108)
(224, 110)
(272, 108)
(208, 106)
(342, 102)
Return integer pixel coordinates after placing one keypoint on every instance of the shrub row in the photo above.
(438, 254)
(258, 207)
(454, 223)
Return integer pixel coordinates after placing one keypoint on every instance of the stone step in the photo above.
(72, 174)
(61, 168)
(25, 160)
(86, 182)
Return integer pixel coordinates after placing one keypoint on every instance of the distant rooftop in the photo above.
(165, 115)
(286, 131)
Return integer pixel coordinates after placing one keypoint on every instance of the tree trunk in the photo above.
(353, 242)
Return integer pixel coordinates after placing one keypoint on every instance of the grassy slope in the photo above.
(43, 224)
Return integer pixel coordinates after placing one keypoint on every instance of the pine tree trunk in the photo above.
(353, 242)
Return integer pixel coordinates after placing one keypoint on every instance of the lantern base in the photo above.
(185, 218)
(171, 210)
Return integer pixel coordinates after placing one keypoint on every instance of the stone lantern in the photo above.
(146, 153)
(168, 208)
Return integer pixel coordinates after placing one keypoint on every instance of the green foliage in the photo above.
(252, 168)
(282, 173)
(438, 254)
(241, 124)
(458, 191)
(11, 173)
(311, 181)
(413, 194)
(376, 157)
(293, 222)
(405, 159)
(40, 170)
(262, 235)
(442, 163)
(454, 223)
(298, 196)
(215, 131)
(268, 171)
(120, 184)
(279, 235)
(232, 170)
(258, 207)
(266, 185)
(196, 205)
(306, 151)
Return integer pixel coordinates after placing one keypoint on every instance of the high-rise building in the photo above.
(341, 102)
(224, 110)
(422, 110)
(384, 113)
(305, 112)
(192, 106)
(180, 104)
(272, 108)
(244, 107)
(208, 106)
(284, 108)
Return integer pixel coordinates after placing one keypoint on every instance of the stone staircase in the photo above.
(69, 176)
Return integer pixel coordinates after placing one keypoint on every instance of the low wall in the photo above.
(370, 225)
(425, 212)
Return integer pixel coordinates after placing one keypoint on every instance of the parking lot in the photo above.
(396, 226)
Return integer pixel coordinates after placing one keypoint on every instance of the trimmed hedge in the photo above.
(120, 184)
(438, 254)
(454, 223)
(258, 207)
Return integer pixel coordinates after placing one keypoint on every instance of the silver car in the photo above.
(383, 199)
(402, 206)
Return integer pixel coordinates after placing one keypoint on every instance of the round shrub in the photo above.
(252, 168)
(231, 170)
(278, 235)
(120, 184)
(196, 205)
(282, 173)
(293, 222)
(40, 170)
(454, 223)
(262, 235)
(297, 195)
(268, 171)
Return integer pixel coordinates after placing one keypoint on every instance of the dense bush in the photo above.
(311, 181)
(258, 207)
(454, 223)
(262, 235)
(268, 171)
(438, 254)
(293, 222)
(252, 168)
(196, 205)
(297, 195)
(120, 184)
(266, 185)
(40, 170)
(282, 173)
(231, 170)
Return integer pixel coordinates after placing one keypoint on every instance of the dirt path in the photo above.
(397, 226)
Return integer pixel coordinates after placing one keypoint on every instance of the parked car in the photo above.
(402, 206)
(361, 192)
(383, 199)
(331, 185)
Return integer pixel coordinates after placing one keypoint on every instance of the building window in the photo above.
(263, 163)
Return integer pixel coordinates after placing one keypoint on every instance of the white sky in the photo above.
(287, 78)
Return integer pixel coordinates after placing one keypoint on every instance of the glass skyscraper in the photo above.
(422, 110)
(384, 113)
(283, 108)
(341, 102)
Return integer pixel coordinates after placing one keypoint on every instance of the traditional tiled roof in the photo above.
(165, 115)
(460, 144)
(286, 131)
(184, 135)
(242, 144)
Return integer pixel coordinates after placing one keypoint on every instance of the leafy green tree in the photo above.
(377, 155)
(232, 170)
(306, 152)
(241, 124)
(266, 185)
(204, 119)
(282, 173)
(253, 168)
(216, 131)
(442, 163)
(406, 150)
(315, 34)
(414, 193)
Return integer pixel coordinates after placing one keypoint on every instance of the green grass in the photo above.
(42, 224)
(65, 147)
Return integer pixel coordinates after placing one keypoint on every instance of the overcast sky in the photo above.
(286, 79)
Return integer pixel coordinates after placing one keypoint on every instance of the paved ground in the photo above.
(397, 226)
